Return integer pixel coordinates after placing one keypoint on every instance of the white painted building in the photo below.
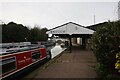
(73, 32)
(70, 28)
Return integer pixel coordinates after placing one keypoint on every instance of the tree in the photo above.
(37, 34)
(13, 32)
(44, 35)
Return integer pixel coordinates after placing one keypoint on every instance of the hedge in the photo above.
(106, 42)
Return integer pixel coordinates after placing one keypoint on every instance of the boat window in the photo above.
(36, 55)
(8, 65)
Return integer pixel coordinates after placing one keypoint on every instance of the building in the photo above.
(73, 32)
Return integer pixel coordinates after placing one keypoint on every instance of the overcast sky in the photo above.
(52, 14)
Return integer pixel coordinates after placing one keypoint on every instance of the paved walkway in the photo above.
(77, 64)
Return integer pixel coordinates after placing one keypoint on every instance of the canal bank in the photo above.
(78, 64)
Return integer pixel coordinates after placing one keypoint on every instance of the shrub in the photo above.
(106, 41)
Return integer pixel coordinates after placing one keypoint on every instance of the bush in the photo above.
(106, 41)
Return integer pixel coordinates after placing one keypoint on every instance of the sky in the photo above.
(52, 14)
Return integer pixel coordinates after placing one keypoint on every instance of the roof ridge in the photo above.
(66, 24)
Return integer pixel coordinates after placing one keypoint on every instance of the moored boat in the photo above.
(16, 59)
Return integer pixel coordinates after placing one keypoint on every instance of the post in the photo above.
(83, 42)
(70, 47)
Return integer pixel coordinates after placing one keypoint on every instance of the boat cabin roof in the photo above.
(4, 50)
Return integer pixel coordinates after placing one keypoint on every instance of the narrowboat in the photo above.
(15, 59)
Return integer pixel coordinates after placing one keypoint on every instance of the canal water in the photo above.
(56, 50)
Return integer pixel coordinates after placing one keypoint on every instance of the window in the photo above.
(8, 65)
(35, 55)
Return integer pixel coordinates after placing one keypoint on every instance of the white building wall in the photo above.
(70, 29)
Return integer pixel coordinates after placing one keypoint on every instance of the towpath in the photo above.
(78, 64)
